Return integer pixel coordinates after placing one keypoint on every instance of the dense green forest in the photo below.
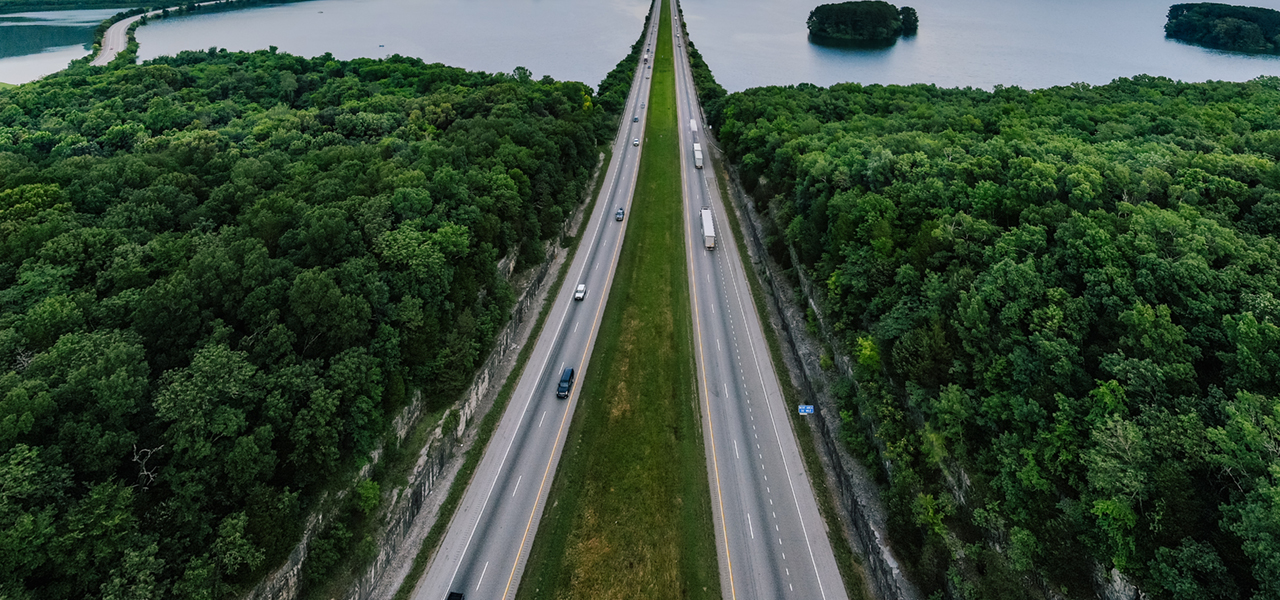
(1226, 27)
(220, 276)
(1064, 310)
(862, 21)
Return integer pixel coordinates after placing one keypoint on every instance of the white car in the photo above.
(580, 292)
(635, 142)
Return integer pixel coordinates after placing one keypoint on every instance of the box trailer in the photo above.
(708, 229)
(697, 155)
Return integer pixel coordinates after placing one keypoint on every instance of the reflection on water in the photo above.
(830, 42)
(577, 40)
(34, 44)
(978, 43)
(748, 43)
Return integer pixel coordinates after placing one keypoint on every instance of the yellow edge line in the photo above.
(582, 361)
(702, 362)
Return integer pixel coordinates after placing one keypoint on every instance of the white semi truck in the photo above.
(708, 229)
(697, 155)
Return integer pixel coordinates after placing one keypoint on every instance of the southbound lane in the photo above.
(772, 541)
(487, 543)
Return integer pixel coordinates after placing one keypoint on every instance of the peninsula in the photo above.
(1225, 27)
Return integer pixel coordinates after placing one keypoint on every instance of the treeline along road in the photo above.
(220, 273)
(1061, 308)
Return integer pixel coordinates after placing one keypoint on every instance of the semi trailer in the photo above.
(708, 229)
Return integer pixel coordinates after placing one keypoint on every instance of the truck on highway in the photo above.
(708, 229)
(697, 155)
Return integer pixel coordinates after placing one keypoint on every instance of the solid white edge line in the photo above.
(620, 139)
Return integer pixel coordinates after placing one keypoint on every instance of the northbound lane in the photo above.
(772, 541)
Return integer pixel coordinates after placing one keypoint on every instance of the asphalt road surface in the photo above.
(485, 548)
(116, 39)
(771, 539)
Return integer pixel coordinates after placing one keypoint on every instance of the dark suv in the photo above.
(566, 383)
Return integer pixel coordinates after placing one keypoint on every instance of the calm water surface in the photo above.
(579, 40)
(34, 44)
(978, 43)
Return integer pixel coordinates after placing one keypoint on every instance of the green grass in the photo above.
(490, 421)
(629, 512)
(851, 571)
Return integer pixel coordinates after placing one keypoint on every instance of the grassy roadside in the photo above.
(629, 511)
(850, 566)
(490, 421)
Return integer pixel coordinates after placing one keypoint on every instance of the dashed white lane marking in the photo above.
(735, 449)
(749, 529)
(575, 327)
(726, 390)
(513, 490)
(482, 572)
(544, 418)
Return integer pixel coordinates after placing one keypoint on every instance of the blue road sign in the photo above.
(806, 409)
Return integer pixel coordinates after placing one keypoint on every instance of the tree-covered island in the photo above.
(1225, 27)
(864, 21)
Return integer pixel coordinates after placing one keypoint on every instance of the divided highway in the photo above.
(772, 540)
(487, 543)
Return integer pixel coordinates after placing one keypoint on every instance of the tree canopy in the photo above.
(1063, 307)
(1225, 27)
(862, 21)
(220, 276)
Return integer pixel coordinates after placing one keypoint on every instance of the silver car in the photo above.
(580, 292)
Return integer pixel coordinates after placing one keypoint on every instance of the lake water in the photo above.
(979, 43)
(34, 44)
(579, 40)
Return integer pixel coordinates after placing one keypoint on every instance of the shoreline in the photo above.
(118, 37)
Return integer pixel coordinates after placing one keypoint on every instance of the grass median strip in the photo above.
(629, 511)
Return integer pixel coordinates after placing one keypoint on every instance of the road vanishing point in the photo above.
(771, 540)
